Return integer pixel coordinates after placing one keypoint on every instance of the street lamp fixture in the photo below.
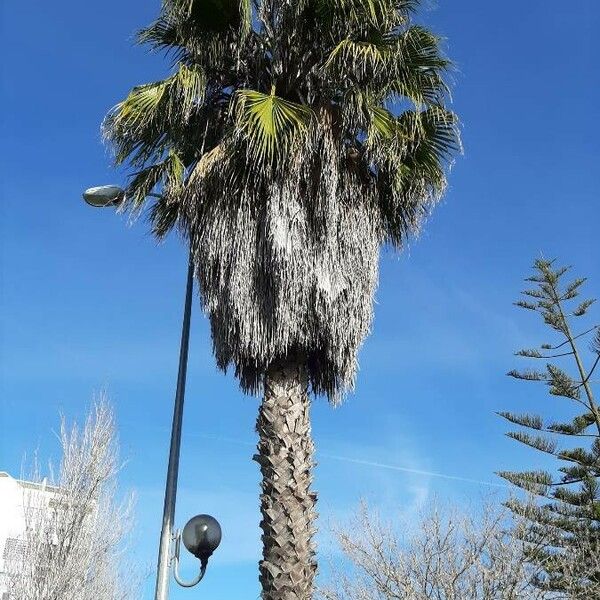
(104, 196)
(202, 534)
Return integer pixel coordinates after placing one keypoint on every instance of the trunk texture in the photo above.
(285, 457)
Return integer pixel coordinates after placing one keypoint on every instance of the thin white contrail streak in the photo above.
(379, 465)
(366, 463)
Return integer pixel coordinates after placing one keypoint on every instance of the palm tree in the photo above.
(293, 139)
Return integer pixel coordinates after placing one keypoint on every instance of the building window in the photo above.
(14, 549)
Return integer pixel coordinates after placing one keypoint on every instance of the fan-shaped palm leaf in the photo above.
(269, 124)
(168, 174)
(140, 123)
(399, 64)
(383, 124)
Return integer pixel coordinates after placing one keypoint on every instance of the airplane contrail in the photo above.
(368, 463)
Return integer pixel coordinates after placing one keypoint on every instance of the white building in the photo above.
(18, 499)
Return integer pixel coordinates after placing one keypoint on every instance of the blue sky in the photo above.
(88, 302)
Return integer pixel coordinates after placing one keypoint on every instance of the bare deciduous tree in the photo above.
(75, 528)
(448, 557)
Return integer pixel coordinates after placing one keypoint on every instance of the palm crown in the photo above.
(292, 140)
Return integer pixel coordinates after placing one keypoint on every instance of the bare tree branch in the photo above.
(448, 557)
(74, 540)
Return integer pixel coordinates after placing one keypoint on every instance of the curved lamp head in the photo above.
(104, 195)
(202, 536)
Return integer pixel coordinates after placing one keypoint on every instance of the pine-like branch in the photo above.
(537, 442)
(536, 482)
(561, 383)
(583, 307)
(577, 426)
(529, 375)
(525, 420)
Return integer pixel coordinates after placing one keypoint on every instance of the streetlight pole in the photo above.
(202, 533)
(166, 533)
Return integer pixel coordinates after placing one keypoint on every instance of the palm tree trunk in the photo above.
(288, 512)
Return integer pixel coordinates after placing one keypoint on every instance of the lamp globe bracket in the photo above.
(201, 536)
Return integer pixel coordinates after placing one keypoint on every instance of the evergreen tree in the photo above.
(566, 520)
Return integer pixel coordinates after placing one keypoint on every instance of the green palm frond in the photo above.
(138, 125)
(430, 139)
(163, 216)
(359, 56)
(168, 175)
(201, 32)
(411, 166)
(383, 124)
(188, 87)
(179, 6)
(143, 183)
(433, 131)
(406, 64)
(135, 126)
(418, 73)
(174, 173)
(364, 13)
(268, 123)
(210, 15)
(141, 103)
(161, 34)
(420, 48)
(359, 9)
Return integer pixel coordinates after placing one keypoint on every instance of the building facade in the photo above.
(19, 502)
